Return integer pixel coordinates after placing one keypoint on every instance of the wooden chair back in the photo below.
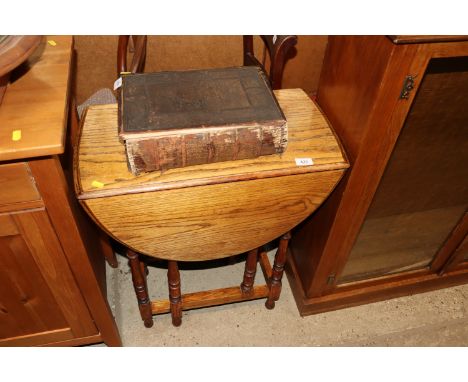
(278, 48)
(135, 45)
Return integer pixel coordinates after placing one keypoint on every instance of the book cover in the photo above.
(177, 119)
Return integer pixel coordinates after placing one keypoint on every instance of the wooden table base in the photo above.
(141, 287)
(178, 302)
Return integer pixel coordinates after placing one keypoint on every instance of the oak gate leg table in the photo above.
(208, 211)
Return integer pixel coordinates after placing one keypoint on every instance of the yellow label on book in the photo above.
(16, 135)
(97, 184)
(52, 42)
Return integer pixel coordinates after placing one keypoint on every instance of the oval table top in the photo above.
(212, 210)
(101, 167)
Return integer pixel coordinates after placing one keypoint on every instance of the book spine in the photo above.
(164, 153)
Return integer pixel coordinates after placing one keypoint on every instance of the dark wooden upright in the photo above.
(274, 281)
(141, 287)
(249, 273)
(394, 221)
(135, 45)
(173, 280)
(279, 47)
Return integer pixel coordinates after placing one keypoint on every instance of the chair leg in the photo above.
(249, 272)
(277, 272)
(141, 289)
(175, 298)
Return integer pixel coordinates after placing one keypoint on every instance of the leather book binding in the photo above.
(177, 119)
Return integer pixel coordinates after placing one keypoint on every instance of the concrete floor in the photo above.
(437, 318)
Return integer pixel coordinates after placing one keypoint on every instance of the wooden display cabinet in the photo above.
(52, 272)
(397, 222)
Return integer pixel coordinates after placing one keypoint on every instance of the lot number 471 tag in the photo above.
(304, 162)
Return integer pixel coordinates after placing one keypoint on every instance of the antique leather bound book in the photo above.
(177, 119)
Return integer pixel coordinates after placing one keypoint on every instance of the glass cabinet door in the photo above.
(423, 192)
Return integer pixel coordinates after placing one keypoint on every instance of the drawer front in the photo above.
(17, 188)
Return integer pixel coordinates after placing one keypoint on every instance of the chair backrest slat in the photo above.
(278, 47)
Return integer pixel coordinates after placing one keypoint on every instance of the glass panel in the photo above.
(424, 190)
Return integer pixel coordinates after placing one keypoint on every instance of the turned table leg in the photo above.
(249, 272)
(107, 250)
(277, 272)
(141, 289)
(175, 299)
(144, 272)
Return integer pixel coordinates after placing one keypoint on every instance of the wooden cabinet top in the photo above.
(101, 166)
(34, 108)
(413, 39)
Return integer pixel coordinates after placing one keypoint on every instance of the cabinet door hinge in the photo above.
(408, 85)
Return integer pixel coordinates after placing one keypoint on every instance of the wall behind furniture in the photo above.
(96, 59)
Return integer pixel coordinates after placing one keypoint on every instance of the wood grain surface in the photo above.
(36, 102)
(17, 187)
(211, 298)
(213, 221)
(50, 299)
(51, 288)
(340, 226)
(101, 157)
(412, 39)
(369, 126)
(27, 305)
(356, 84)
(235, 207)
(76, 239)
(40, 339)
